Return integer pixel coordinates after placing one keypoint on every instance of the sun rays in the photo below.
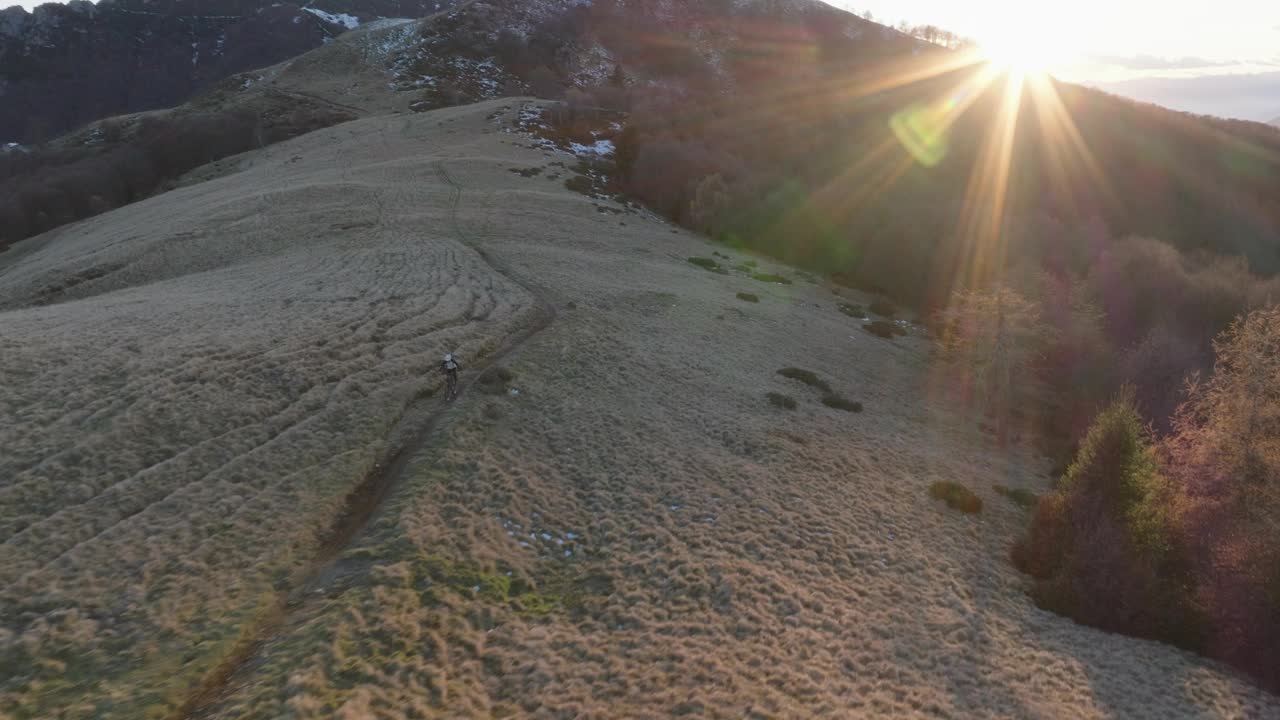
(1029, 117)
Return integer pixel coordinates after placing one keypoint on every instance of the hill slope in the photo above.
(65, 65)
(781, 99)
(621, 524)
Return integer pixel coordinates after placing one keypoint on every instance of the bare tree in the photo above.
(1235, 413)
(989, 338)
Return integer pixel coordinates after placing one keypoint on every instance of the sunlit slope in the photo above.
(627, 527)
(192, 385)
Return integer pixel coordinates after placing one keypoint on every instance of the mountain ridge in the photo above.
(62, 66)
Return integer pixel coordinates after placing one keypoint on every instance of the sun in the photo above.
(1024, 50)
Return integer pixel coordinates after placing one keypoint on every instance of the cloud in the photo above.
(1151, 62)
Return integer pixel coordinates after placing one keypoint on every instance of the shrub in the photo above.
(807, 377)
(705, 263)
(748, 297)
(1040, 552)
(839, 403)
(770, 278)
(957, 496)
(579, 184)
(883, 308)
(880, 328)
(1101, 545)
(495, 380)
(853, 311)
(782, 401)
(1020, 496)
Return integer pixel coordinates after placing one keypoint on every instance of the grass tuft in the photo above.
(770, 278)
(805, 376)
(495, 380)
(782, 401)
(840, 403)
(705, 263)
(852, 310)
(748, 297)
(579, 184)
(1020, 496)
(957, 496)
(884, 329)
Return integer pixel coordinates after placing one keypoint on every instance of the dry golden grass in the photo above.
(633, 534)
(220, 367)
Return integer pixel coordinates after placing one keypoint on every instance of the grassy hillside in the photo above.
(706, 488)
(617, 520)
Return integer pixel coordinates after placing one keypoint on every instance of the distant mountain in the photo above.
(65, 65)
(1246, 97)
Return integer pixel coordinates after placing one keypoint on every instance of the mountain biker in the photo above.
(450, 369)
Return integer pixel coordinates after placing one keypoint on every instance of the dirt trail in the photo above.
(363, 503)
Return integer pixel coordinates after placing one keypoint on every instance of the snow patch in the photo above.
(350, 22)
(600, 148)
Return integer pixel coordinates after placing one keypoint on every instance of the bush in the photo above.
(839, 403)
(1039, 553)
(782, 401)
(748, 297)
(853, 311)
(883, 308)
(579, 184)
(1020, 496)
(807, 377)
(705, 263)
(881, 328)
(495, 380)
(957, 496)
(1101, 545)
(770, 278)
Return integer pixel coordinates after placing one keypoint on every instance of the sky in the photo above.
(1215, 57)
(1113, 40)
